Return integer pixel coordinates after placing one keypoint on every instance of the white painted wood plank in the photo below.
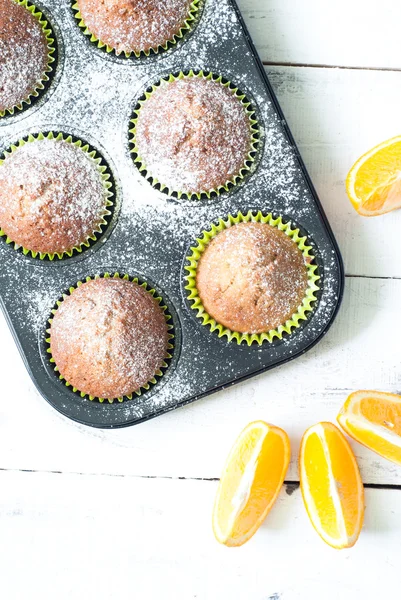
(360, 351)
(335, 116)
(75, 537)
(361, 33)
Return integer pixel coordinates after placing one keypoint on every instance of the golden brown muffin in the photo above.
(134, 25)
(109, 337)
(193, 134)
(251, 278)
(52, 197)
(23, 54)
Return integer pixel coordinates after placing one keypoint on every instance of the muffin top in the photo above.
(134, 25)
(52, 197)
(251, 278)
(109, 337)
(193, 134)
(23, 54)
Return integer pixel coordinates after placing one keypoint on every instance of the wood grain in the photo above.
(361, 33)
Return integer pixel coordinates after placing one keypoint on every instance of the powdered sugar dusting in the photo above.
(109, 337)
(23, 54)
(252, 278)
(52, 197)
(138, 26)
(193, 134)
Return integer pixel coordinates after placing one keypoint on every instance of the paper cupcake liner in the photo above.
(193, 296)
(233, 181)
(105, 176)
(159, 373)
(185, 28)
(40, 86)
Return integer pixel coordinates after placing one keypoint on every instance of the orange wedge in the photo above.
(251, 481)
(374, 182)
(374, 420)
(331, 485)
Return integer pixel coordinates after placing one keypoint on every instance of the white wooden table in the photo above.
(88, 514)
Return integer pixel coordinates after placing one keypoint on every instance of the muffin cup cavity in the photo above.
(40, 86)
(186, 27)
(230, 183)
(201, 244)
(170, 347)
(106, 214)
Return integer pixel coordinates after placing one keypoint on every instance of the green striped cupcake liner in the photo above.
(104, 174)
(170, 347)
(185, 28)
(193, 296)
(40, 86)
(250, 158)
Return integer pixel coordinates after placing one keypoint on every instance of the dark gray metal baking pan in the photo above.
(150, 233)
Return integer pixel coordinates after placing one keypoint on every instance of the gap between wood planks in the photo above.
(268, 63)
(371, 277)
(290, 485)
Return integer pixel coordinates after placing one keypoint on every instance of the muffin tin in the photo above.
(92, 97)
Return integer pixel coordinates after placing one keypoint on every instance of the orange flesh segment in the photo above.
(374, 420)
(270, 466)
(318, 477)
(374, 182)
(250, 483)
(382, 412)
(331, 485)
(386, 197)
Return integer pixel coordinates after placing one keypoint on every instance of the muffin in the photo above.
(193, 134)
(135, 27)
(24, 55)
(252, 278)
(53, 196)
(109, 338)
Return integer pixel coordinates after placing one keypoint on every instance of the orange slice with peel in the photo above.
(331, 485)
(374, 182)
(251, 480)
(374, 420)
